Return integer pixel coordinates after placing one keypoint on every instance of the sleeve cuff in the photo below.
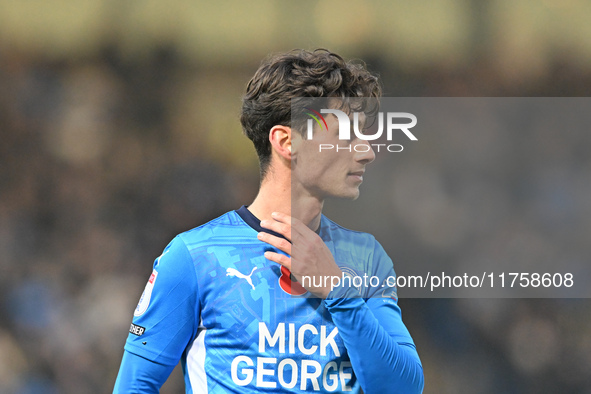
(344, 290)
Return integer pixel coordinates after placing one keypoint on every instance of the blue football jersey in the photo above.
(238, 324)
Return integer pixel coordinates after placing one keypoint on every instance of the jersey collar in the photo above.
(255, 223)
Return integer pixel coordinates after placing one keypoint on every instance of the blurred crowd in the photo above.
(104, 159)
(91, 190)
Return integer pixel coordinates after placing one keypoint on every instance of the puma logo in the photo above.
(238, 274)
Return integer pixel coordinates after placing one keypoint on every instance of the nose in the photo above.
(364, 152)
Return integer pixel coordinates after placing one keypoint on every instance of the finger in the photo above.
(278, 227)
(280, 243)
(296, 225)
(282, 217)
(286, 219)
(279, 258)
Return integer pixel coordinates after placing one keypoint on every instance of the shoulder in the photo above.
(181, 252)
(332, 231)
(225, 226)
(349, 244)
(355, 242)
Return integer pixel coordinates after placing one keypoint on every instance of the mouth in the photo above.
(357, 175)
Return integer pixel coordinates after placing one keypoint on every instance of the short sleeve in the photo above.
(166, 318)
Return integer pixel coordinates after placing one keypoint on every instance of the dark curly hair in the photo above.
(298, 74)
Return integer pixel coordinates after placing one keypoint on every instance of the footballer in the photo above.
(227, 299)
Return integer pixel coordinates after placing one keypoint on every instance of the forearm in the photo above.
(382, 362)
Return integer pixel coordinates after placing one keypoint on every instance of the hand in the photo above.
(310, 261)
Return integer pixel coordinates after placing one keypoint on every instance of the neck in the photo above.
(275, 195)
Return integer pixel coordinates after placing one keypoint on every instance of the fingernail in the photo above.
(264, 223)
(260, 235)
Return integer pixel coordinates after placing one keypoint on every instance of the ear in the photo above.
(280, 138)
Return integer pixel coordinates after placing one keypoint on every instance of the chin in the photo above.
(346, 194)
(350, 195)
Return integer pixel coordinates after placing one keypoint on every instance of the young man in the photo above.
(230, 300)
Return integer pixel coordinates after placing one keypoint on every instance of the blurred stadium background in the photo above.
(119, 128)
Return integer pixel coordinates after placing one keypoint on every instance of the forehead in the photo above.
(360, 111)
